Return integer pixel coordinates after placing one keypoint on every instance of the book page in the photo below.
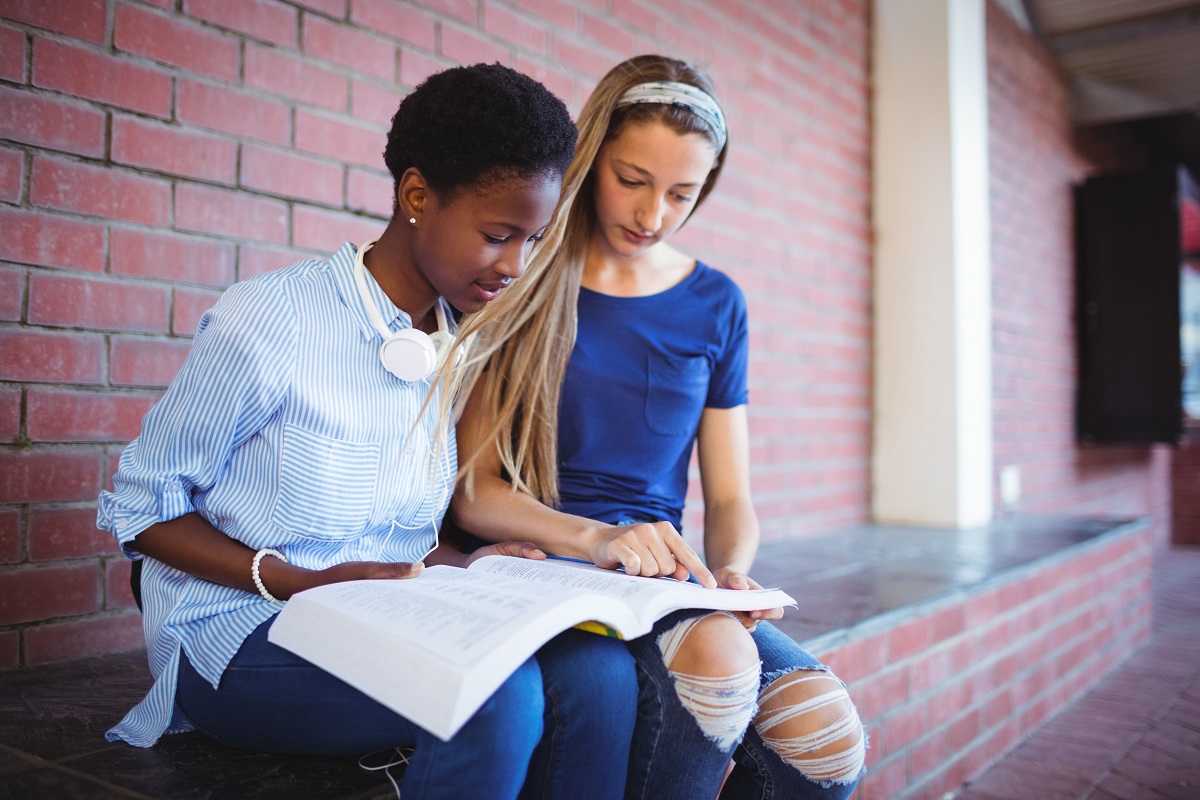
(650, 598)
(576, 575)
(460, 615)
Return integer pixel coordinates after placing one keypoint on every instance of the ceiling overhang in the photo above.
(1131, 63)
(1128, 59)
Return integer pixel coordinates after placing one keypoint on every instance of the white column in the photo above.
(932, 459)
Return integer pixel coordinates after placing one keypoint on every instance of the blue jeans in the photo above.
(590, 685)
(671, 756)
(579, 686)
(758, 771)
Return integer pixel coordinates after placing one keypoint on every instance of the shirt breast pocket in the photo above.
(675, 392)
(326, 485)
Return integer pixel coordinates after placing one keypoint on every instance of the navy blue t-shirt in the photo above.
(642, 371)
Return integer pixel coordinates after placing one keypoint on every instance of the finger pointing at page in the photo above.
(653, 549)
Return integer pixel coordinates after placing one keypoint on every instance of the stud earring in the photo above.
(413, 220)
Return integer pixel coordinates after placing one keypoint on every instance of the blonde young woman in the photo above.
(649, 347)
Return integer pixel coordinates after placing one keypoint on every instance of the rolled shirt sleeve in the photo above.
(234, 378)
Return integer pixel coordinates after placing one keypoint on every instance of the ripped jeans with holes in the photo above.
(682, 747)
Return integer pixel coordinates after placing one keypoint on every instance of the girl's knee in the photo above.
(714, 665)
(714, 645)
(808, 719)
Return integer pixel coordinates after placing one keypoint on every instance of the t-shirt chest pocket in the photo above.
(326, 485)
(676, 389)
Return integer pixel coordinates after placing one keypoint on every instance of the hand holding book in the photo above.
(285, 580)
(732, 579)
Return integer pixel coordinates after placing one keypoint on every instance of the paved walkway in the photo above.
(1136, 734)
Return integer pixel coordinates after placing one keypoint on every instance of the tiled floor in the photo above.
(1135, 735)
(1128, 739)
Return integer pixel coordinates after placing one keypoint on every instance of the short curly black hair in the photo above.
(468, 126)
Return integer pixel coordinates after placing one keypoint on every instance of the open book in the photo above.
(434, 648)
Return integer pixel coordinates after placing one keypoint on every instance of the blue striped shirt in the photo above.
(283, 430)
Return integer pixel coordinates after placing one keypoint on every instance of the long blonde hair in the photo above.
(521, 342)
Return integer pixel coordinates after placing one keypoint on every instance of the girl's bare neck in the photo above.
(390, 265)
(651, 272)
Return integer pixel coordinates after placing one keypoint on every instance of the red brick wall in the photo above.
(1034, 163)
(791, 223)
(155, 152)
(950, 689)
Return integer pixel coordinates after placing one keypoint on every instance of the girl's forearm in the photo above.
(495, 513)
(731, 535)
(192, 545)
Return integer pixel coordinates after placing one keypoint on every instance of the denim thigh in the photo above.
(780, 654)
(271, 700)
(591, 693)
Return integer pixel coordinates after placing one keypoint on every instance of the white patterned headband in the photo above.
(672, 93)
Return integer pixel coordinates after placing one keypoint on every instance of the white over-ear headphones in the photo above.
(409, 354)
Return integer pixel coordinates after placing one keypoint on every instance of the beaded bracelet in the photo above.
(266, 551)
